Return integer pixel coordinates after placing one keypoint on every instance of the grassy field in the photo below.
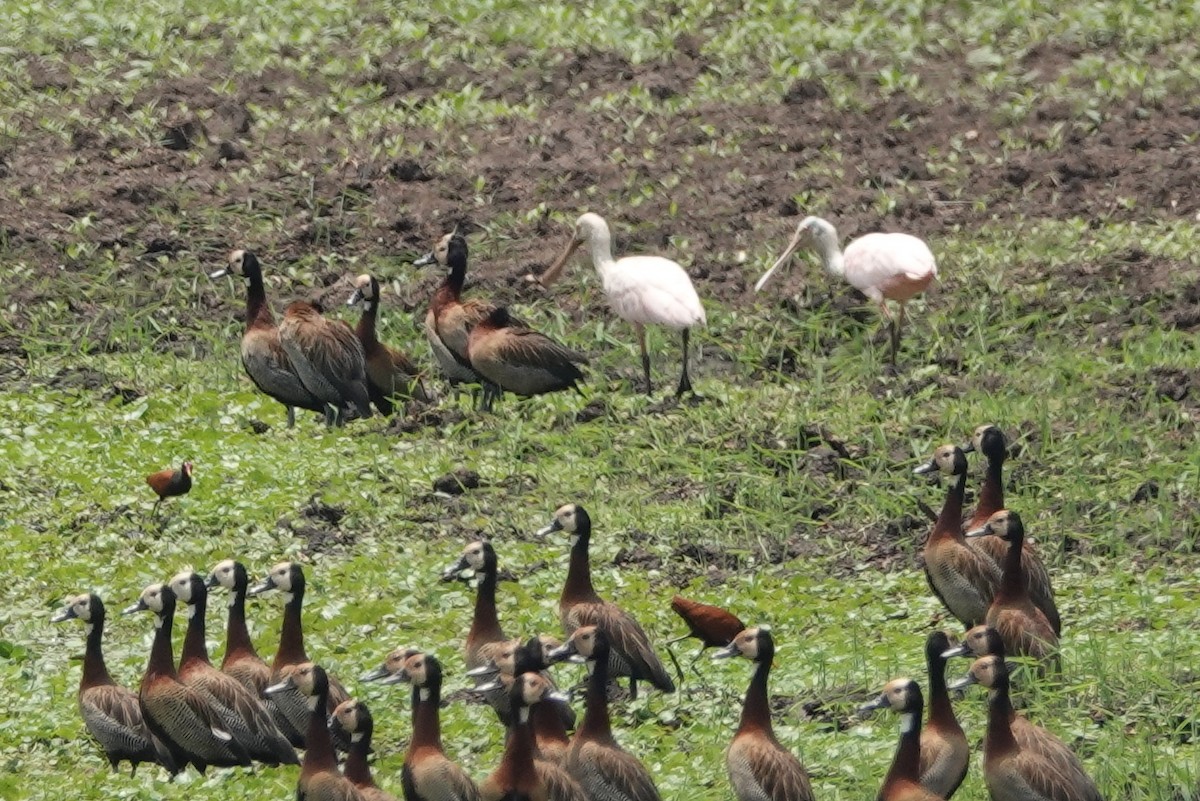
(1045, 152)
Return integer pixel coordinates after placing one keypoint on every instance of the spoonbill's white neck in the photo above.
(825, 244)
(600, 244)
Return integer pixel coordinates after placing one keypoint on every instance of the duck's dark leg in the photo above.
(641, 332)
(291, 415)
(685, 383)
(632, 688)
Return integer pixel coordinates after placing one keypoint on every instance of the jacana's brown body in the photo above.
(328, 358)
(390, 373)
(580, 605)
(517, 359)
(450, 319)
(111, 712)
(760, 769)
(182, 717)
(1040, 769)
(944, 751)
(990, 441)
(1023, 627)
(713, 626)
(428, 775)
(242, 713)
(263, 357)
(594, 759)
(354, 718)
(963, 579)
(171, 483)
(289, 579)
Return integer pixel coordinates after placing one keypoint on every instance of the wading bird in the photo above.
(170, 484)
(883, 267)
(644, 290)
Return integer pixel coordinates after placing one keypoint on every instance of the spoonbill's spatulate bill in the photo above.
(645, 290)
(883, 267)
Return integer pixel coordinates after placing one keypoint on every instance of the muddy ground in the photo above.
(147, 199)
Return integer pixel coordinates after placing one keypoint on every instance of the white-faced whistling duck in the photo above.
(329, 360)
(111, 712)
(579, 605)
(551, 719)
(389, 372)
(319, 776)
(520, 776)
(428, 775)
(182, 717)
(760, 769)
(944, 752)
(354, 719)
(713, 626)
(983, 641)
(450, 319)
(485, 636)
(1018, 768)
(1022, 626)
(990, 441)
(392, 664)
(263, 356)
(514, 358)
(288, 578)
(245, 717)
(643, 290)
(962, 578)
(903, 780)
(241, 659)
(594, 759)
(170, 483)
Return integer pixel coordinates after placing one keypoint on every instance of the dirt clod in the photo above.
(458, 482)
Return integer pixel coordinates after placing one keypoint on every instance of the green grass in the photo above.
(1059, 330)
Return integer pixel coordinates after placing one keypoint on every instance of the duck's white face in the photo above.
(584, 640)
(80, 606)
(533, 688)
(225, 574)
(474, 555)
(281, 576)
(441, 250)
(977, 437)
(363, 285)
(152, 597)
(235, 261)
(944, 457)
(181, 585)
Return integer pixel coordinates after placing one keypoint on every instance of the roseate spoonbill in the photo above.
(882, 266)
(645, 290)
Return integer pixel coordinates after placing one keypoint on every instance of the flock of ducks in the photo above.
(191, 712)
(309, 362)
(247, 711)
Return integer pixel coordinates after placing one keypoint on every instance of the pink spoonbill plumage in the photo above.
(883, 267)
(644, 290)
